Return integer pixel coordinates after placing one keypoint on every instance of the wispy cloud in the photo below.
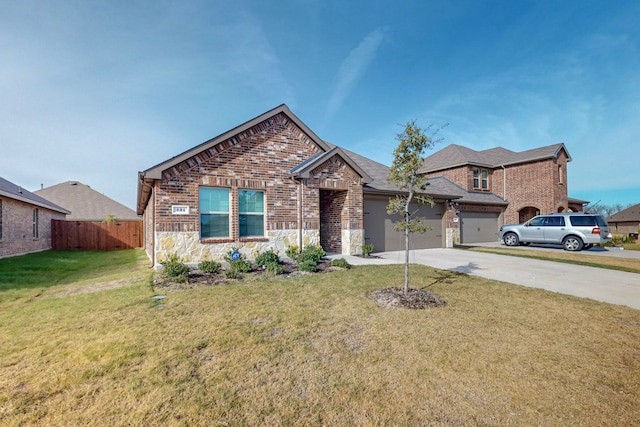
(353, 67)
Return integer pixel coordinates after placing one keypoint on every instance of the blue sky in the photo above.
(96, 91)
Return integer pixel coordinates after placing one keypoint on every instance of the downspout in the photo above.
(504, 182)
(300, 213)
(153, 222)
(504, 188)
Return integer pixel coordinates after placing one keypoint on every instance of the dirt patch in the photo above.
(90, 288)
(416, 299)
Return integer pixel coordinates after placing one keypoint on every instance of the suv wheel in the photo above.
(572, 243)
(511, 239)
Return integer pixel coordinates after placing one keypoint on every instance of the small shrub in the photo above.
(268, 257)
(210, 267)
(340, 262)
(308, 265)
(232, 274)
(367, 249)
(313, 253)
(293, 252)
(240, 265)
(175, 269)
(275, 268)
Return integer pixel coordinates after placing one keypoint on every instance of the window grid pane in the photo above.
(250, 201)
(214, 212)
(214, 199)
(251, 213)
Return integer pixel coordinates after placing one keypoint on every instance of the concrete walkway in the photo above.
(611, 286)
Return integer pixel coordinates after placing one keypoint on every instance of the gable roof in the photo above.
(13, 191)
(303, 169)
(155, 172)
(456, 155)
(631, 214)
(85, 203)
(145, 178)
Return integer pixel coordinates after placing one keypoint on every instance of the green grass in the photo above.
(50, 268)
(312, 350)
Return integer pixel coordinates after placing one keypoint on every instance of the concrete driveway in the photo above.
(611, 286)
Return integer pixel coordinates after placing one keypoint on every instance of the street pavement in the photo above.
(600, 284)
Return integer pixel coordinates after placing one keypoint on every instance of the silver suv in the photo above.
(573, 230)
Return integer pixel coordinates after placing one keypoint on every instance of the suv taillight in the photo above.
(595, 230)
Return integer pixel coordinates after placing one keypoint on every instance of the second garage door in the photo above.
(478, 227)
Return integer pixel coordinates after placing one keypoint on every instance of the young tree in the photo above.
(405, 173)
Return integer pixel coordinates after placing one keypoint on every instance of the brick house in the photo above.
(502, 186)
(626, 221)
(271, 183)
(25, 220)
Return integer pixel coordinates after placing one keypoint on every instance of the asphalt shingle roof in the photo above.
(456, 155)
(631, 214)
(85, 203)
(13, 191)
(438, 186)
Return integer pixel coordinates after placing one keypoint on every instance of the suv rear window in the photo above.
(583, 221)
(601, 221)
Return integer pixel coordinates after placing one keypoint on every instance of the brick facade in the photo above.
(529, 187)
(17, 225)
(260, 157)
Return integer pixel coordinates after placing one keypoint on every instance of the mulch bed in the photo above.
(416, 299)
(199, 279)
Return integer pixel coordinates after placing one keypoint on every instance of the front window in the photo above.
(251, 213)
(485, 179)
(214, 212)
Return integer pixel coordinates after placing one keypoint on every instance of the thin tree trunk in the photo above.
(406, 260)
(406, 243)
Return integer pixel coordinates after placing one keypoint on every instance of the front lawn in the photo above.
(97, 349)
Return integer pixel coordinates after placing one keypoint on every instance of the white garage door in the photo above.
(378, 226)
(479, 227)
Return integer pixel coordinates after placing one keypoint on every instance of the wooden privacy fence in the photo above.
(101, 236)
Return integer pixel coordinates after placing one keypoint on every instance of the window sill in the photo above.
(253, 239)
(222, 240)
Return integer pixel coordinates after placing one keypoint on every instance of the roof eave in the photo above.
(51, 207)
(155, 172)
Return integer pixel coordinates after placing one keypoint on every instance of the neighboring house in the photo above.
(85, 203)
(25, 220)
(503, 187)
(626, 221)
(271, 183)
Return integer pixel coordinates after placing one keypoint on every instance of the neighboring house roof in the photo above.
(85, 203)
(577, 201)
(12, 191)
(456, 155)
(437, 188)
(631, 214)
